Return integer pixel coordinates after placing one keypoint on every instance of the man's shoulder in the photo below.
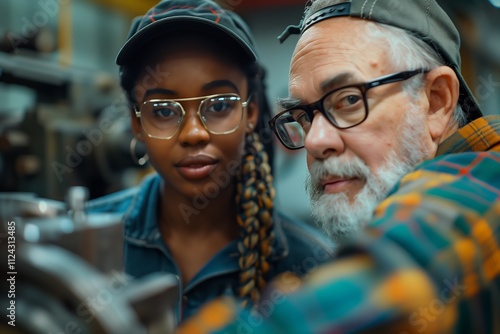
(482, 165)
(303, 239)
(472, 159)
(453, 185)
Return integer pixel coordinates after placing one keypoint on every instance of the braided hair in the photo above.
(255, 195)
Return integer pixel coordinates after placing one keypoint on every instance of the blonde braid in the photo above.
(255, 201)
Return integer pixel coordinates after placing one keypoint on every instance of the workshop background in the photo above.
(64, 120)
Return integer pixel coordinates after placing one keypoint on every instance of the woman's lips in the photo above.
(196, 167)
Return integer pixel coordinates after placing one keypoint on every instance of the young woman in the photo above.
(196, 90)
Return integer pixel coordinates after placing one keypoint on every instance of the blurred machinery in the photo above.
(63, 270)
(63, 124)
(75, 131)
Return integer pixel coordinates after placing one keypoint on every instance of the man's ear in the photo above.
(442, 90)
(252, 114)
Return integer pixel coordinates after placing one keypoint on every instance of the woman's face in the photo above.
(194, 162)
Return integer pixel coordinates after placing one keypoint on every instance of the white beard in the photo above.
(335, 214)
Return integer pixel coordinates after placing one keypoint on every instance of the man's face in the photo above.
(352, 170)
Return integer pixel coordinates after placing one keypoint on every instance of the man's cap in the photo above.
(172, 16)
(424, 19)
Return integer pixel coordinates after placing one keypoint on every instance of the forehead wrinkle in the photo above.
(329, 48)
(303, 62)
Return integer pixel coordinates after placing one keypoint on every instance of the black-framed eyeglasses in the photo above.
(219, 113)
(344, 107)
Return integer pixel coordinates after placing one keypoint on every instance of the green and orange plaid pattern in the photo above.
(429, 262)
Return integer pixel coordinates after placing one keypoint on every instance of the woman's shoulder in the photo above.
(121, 201)
(114, 202)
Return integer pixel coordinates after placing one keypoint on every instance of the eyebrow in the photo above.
(208, 86)
(221, 83)
(342, 79)
(158, 91)
(288, 102)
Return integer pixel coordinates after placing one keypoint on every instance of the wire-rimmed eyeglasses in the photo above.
(344, 107)
(219, 113)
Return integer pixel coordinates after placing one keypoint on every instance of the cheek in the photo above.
(373, 147)
(310, 160)
(158, 151)
(232, 147)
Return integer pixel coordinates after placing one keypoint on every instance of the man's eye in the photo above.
(343, 100)
(303, 119)
(347, 101)
(352, 99)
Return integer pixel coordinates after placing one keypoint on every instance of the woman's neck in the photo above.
(194, 231)
(199, 215)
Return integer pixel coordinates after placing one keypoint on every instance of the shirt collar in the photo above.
(141, 220)
(479, 135)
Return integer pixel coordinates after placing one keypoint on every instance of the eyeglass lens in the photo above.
(219, 114)
(344, 108)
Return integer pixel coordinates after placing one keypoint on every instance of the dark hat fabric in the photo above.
(171, 16)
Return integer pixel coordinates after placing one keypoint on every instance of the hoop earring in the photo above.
(139, 161)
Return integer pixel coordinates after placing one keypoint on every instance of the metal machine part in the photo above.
(67, 275)
(58, 292)
(28, 205)
(96, 238)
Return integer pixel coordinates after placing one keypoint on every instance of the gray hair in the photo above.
(417, 53)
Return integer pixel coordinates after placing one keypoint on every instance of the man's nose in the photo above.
(323, 139)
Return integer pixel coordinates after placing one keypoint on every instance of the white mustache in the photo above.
(355, 167)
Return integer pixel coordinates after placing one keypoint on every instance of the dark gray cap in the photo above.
(171, 16)
(424, 19)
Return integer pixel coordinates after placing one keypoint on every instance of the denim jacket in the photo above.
(298, 248)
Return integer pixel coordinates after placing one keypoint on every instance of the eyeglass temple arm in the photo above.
(396, 77)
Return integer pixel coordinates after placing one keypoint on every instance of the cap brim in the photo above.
(133, 47)
(467, 100)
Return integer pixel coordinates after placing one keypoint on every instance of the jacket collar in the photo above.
(479, 135)
(141, 219)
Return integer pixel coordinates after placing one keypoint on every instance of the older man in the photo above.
(404, 173)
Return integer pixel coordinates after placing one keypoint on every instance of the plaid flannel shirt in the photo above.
(429, 262)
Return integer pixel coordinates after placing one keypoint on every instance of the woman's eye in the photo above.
(219, 107)
(164, 112)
